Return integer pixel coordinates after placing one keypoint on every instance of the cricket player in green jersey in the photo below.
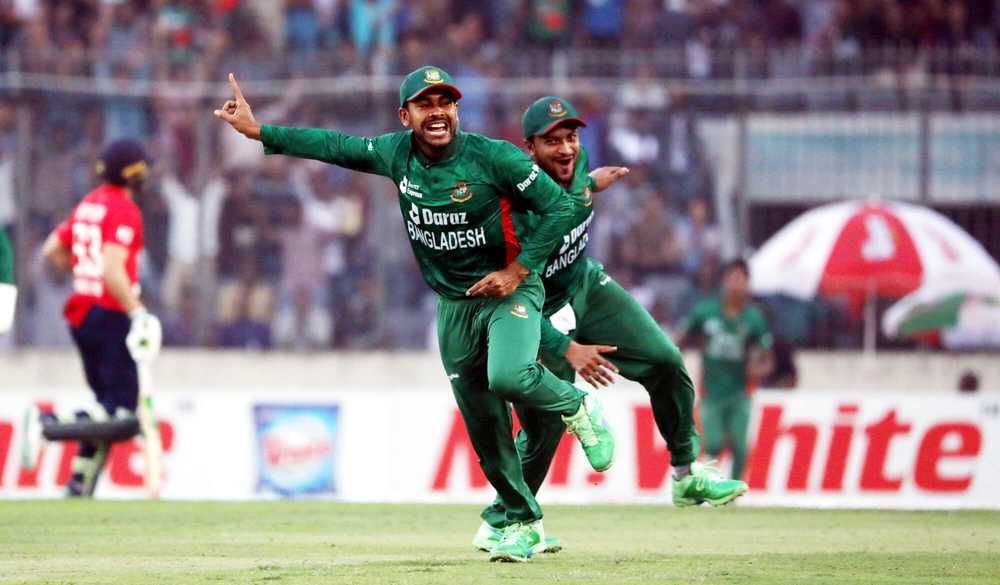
(458, 193)
(8, 292)
(595, 328)
(736, 354)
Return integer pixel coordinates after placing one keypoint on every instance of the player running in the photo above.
(737, 351)
(458, 192)
(100, 244)
(595, 328)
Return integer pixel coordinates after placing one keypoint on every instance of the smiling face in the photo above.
(556, 152)
(433, 116)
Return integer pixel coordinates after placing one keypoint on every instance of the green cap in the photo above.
(547, 113)
(426, 78)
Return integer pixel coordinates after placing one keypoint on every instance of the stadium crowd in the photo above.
(248, 251)
(188, 38)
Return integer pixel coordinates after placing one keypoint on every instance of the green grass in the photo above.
(316, 542)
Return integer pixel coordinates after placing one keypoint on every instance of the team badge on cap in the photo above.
(556, 109)
(461, 193)
(433, 76)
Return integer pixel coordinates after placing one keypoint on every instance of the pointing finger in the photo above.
(236, 88)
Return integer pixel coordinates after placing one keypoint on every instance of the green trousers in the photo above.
(489, 349)
(725, 422)
(606, 314)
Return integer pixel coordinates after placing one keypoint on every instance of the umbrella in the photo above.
(967, 318)
(861, 249)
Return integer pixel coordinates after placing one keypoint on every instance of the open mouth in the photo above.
(436, 129)
(564, 166)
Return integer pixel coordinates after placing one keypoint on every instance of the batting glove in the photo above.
(145, 336)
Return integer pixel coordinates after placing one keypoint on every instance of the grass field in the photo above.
(315, 542)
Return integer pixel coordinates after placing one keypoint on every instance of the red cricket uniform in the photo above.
(106, 215)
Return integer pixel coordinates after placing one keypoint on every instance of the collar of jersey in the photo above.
(451, 152)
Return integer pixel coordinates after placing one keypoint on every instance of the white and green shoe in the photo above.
(706, 484)
(488, 537)
(591, 428)
(520, 541)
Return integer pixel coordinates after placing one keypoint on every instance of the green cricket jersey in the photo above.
(727, 341)
(459, 210)
(564, 268)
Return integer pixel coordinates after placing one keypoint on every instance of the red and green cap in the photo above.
(546, 114)
(425, 79)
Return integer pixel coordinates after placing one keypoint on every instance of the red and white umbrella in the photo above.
(864, 249)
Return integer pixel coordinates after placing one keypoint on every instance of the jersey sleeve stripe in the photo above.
(512, 244)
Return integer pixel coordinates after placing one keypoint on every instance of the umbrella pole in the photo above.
(870, 341)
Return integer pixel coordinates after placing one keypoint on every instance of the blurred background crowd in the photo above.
(248, 251)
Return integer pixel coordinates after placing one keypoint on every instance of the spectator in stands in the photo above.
(245, 310)
(179, 326)
(373, 25)
(193, 220)
(698, 236)
(651, 249)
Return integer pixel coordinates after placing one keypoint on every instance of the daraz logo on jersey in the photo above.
(529, 180)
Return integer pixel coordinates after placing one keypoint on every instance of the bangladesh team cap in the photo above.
(547, 113)
(424, 79)
(123, 160)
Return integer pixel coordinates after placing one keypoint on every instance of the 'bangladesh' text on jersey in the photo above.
(458, 211)
(105, 216)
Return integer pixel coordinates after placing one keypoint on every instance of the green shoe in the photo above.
(488, 537)
(592, 430)
(705, 484)
(519, 543)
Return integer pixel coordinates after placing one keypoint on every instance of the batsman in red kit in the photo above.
(100, 244)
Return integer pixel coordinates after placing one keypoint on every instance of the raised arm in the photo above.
(369, 155)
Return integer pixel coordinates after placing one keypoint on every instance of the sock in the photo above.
(682, 471)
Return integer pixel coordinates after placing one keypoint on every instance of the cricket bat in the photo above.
(152, 444)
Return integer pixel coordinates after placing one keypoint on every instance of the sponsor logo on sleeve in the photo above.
(519, 310)
(529, 179)
(125, 234)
